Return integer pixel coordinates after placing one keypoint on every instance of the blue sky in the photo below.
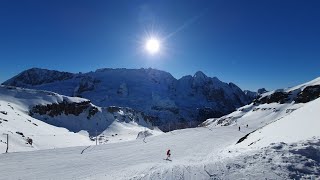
(271, 44)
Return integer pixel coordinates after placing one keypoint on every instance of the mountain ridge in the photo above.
(155, 92)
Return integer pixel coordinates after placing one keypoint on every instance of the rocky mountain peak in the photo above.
(262, 90)
(37, 76)
(200, 75)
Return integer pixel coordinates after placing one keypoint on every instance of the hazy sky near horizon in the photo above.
(272, 44)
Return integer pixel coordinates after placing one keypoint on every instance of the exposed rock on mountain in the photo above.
(253, 95)
(299, 95)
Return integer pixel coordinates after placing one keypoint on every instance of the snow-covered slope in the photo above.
(197, 153)
(20, 126)
(301, 124)
(52, 121)
(270, 106)
(156, 93)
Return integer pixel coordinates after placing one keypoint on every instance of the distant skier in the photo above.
(247, 125)
(29, 141)
(168, 154)
(239, 128)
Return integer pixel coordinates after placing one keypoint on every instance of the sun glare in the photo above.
(152, 45)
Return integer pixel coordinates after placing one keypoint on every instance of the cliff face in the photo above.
(64, 108)
(304, 95)
(154, 92)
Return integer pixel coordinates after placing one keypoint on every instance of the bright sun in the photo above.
(152, 45)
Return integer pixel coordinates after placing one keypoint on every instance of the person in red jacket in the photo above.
(168, 154)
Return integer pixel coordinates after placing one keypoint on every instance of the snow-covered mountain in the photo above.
(154, 92)
(271, 105)
(52, 120)
(254, 95)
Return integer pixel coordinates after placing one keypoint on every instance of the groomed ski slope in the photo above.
(198, 153)
(118, 160)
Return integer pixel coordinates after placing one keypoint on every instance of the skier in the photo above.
(247, 125)
(29, 141)
(239, 128)
(168, 154)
